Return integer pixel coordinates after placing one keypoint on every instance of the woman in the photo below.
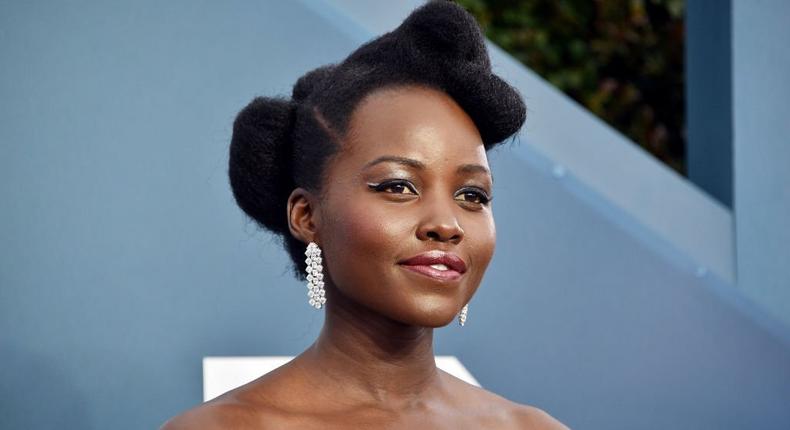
(376, 171)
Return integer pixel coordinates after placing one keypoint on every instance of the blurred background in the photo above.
(641, 276)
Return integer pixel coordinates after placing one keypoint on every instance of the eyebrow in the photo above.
(472, 168)
(395, 159)
(464, 168)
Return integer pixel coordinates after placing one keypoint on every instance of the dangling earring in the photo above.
(462, 315)
(315, 279)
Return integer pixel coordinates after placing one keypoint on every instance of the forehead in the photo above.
(414, 121)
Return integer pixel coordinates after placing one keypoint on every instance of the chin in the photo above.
(439, 323)
(433, 316)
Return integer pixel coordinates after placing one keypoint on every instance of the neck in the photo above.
(373, 357)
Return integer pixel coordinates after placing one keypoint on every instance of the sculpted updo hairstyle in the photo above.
(279, 144)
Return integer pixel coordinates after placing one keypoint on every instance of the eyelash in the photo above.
(482, 196)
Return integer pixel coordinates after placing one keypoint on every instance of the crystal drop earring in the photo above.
(462, 315)
(315, 277)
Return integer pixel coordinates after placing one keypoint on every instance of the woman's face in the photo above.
(405, 226)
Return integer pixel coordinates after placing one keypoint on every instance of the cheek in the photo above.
(482, 242)
(491, 239)
(361, 240)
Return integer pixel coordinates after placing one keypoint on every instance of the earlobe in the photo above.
(301, 215)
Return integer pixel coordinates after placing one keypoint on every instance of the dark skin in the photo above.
(373, 365)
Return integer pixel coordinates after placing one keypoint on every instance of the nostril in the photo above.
(433, 235)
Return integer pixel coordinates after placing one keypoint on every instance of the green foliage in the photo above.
(621, 59)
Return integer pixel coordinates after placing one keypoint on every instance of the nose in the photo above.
(440, 223)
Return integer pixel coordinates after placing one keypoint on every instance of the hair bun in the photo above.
(312, 80)
(446, 30)
(260, 160)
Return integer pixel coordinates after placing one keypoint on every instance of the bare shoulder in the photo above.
(530, 417)
(515, 415)
(206, 416)
(223, 414)
(495, 411)
(266, 402)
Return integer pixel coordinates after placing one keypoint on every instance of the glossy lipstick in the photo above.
(441, 265)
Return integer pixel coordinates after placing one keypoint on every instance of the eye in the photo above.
(473, 195)
(394, 187)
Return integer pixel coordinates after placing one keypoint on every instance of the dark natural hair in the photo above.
(279, 144)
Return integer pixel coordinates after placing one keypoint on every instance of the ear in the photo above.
(302, 215)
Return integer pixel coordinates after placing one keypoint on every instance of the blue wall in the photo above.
(124, 259)
(761, 112)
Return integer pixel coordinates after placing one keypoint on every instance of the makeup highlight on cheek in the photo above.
(369, 228)
(481, 240)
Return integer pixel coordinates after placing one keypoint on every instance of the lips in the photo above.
(436, 264)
